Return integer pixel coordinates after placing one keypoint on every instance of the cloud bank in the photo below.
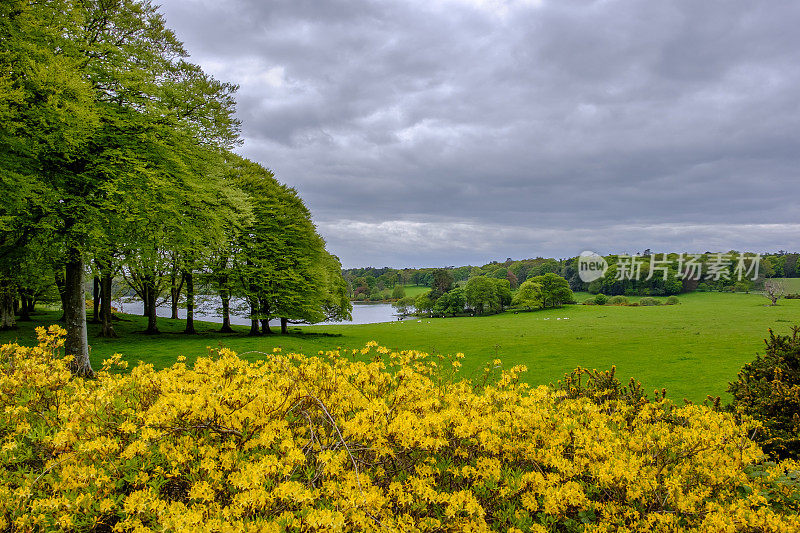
(459, 131)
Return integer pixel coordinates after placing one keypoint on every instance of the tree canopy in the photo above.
(116, 155)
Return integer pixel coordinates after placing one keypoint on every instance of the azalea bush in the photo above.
(365, 440)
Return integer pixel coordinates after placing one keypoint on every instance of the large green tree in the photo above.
(529, 295)
(554, 290)
(103, 111)
(281, 266)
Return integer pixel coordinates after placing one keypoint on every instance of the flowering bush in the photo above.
(363, 440)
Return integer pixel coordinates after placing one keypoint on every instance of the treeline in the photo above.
(483, 294)
(651, 274)
(116, 163)
(379, 283)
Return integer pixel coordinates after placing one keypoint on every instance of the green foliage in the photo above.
(484, 294)
(398, 292)
(768, 389)
(672, 300)
(601, 299)
(618, 300)
(423, 303)
(602, 387)
(529, 295)
(404, 305)
(554, 289)
(480, 294)
(442, 282)
(281, 266)
(648, 300)
(451, 302)
(111, 144)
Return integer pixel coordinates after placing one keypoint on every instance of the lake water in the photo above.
(363, 313)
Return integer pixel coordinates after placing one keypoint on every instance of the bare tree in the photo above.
(773, 289)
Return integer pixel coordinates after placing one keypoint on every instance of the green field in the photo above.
(415, 290)
(791, 285)
(693, 349)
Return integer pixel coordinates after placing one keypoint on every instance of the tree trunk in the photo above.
(96, 295)
(175, 294)
(265, 327)
(254, 319)
(106, 315)
(150, 308)
(7, 319)
(24, 308)
(76, 342)
(146, 297)
(62, 292)
(226, 311)
(189, 302)
(284, 325)
(265, 319)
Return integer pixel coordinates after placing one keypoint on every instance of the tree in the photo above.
(529, 295)
(555, 290)
(512, 279)
(282, 267)
(404, 305)
(47, 119)
(398, 292)
(773, 290)
(767, 389)
(480, 294)
(442, 282)
(104, 112)
(451, 302)
(423, 303)
(503, 293)
(336, 304)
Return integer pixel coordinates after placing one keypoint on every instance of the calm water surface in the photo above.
(363, 313)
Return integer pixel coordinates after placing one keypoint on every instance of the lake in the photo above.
(363, 313)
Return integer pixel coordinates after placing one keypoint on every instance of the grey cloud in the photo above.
(559, 116)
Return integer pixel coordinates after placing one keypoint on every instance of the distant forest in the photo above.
(372, 284)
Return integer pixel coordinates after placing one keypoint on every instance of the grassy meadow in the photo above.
(693, 349)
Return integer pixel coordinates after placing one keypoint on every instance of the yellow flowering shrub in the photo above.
(360, 441)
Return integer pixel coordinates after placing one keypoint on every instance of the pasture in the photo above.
(693, 349)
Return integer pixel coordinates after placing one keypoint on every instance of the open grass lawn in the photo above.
(791, 285)
(415, 290)
(693, 349)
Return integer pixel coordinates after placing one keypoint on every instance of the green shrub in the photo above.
(743, 285)
(618, 300)
(398, 292)
(602, 387)
(672, 300)
(768, 389)
(600, 299)
(590, 301)
(649, 300)
(633, 304)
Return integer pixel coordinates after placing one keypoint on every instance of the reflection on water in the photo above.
(363, 313)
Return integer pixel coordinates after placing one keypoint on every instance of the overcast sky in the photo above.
(427, 133)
